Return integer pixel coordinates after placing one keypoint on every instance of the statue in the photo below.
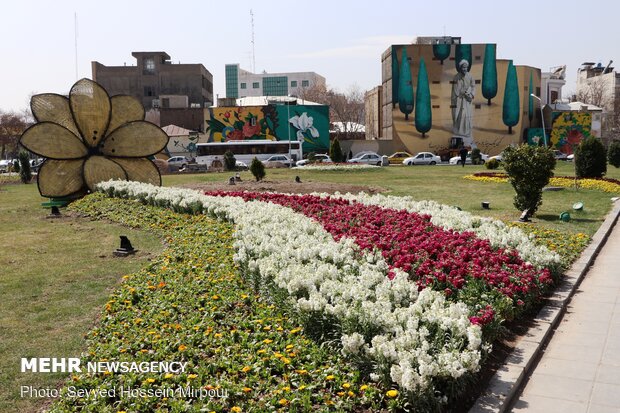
(463, 92)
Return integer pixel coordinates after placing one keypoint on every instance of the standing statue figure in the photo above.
(463, 91)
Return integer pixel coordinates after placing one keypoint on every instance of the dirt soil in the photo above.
(286, 187)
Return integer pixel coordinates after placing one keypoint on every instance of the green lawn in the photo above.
(445, 184)
(56, 275)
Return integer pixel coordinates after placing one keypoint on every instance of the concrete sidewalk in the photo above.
(579, 371)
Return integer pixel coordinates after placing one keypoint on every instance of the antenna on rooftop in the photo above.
(253, 49)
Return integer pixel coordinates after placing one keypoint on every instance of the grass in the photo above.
(56, 276)
(445, 184)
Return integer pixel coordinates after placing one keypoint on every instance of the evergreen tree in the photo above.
(258, 169)
(463, 51)
(335, 152)
(489, 73)
(405, 86)
(511, 108)
(590, 158)
(230, 162)
(613, 153)
(441, 51)
(395, 77)
(423, 113)
(25, 174)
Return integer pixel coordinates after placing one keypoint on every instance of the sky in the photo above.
(46, 51)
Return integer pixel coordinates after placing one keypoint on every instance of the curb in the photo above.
(507, 382)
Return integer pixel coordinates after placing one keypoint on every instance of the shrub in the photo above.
(230, 162)
(25, 174)
(492, 164)
(258, 169)
(613, 153)
(335, 152)
(15, 165)
(590, 159)
(476, 158)
(529, 169)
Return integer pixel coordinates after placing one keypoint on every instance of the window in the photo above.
(148, 91)
(149, 66)
(255, 85)
(305, 83)
(165, 102)
(293, 83)
(244, 85)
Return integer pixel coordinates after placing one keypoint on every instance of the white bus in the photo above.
(245, 151)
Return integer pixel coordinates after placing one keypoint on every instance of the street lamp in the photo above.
(542, 117)
(288, 127)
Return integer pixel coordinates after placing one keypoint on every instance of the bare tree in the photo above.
(12, 125)
(594, 92)
(346, 110)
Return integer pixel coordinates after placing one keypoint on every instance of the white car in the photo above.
(5, 164)
(369, 158)
(178, 161)
(284, 159)
(456, 160)
(570, 157)
(422, 158)
(560, 156)
(241, 165)
(318, 158)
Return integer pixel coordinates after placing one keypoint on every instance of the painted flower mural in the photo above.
(240, 123)
(569, 128)
(91, 137)
(305, 130)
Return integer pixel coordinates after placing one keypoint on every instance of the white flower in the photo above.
(304, 123)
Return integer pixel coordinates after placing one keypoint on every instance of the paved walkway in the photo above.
(579, 371)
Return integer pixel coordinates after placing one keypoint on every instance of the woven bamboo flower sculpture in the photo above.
(89, 138)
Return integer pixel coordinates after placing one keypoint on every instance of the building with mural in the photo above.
(440, 93)
(241, 83)
(272, 118)
(566, 124)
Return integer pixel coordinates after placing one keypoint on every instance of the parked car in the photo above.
(560, 156)
(283, 159)
(5, 164)
(179, 162)
(369, 158)
(319, 158)
(398, 157)
(456, 160)
(422, 158)
(570, 157)
(241, 165)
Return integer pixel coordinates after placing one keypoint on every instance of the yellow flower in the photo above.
(236, 409)
(246, 369)
(267, 341)
(391, 393)
(295, 330)
(168, 375)
(301, 371)
(283, 402)
(149, 380)
(346, 386)
(247, 390)
(330, 377)
(302, 387)
(182, 347)
(363, 387)
(290, 346)
(340, 393)
(350, 393)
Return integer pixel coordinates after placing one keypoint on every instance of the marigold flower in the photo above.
(391, 393)
(182, 347)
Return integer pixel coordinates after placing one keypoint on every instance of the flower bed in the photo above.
(602, 184)
(417, 340)
(336, 166)
(464, 267)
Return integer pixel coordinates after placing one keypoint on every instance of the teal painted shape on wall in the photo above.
(489, 73)
(441, 51)
(511, 108)
(310, 124)
(405, 86)
(423, 113)
(395, 76)
(463, 51)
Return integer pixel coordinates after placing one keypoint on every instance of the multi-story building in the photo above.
(425, 106)
(599, 85)
(179, 91)
(373, 113)
(241, 83)
(551, 85)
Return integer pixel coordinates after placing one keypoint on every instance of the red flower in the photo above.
(250, 131)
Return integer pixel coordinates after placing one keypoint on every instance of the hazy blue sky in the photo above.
(339, 39)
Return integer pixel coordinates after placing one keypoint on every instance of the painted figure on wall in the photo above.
(463, 92)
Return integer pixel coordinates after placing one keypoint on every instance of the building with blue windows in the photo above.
(241, 83)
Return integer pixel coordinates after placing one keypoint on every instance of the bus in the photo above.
(212, 153)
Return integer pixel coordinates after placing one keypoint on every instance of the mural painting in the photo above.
(306, 123)
(568, 129)
(477, 99)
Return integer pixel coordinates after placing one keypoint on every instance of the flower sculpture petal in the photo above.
(89, 138)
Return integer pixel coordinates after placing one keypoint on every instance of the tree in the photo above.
(405, 87)
(258, 169)
(511, 108)
(613, 153)
(441, 51)
(463, 51)
(395, 77)
(25, 174)
(230, 162)
(12, 125)
(594, 92)
(335, 152)
(590, 158)
(489, 73)
(423, 113)
(347, 108)
(529, 170)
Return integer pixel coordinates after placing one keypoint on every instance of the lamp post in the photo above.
(288, 127)
(542, 118)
